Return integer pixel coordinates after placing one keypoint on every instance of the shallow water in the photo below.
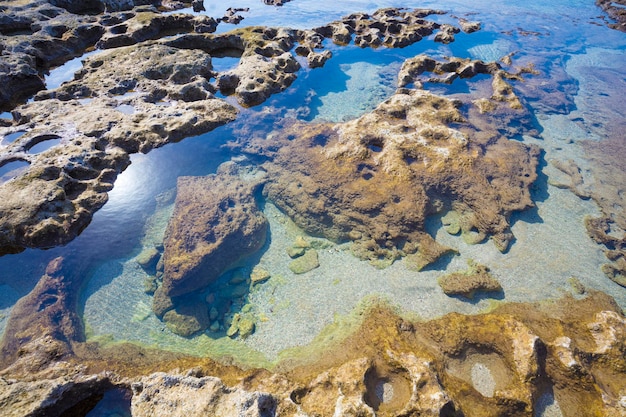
(551, 243)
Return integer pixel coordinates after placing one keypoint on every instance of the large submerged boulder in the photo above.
(216, 223)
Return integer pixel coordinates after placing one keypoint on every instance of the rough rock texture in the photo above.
(52, 397)
(308, 261)
(266, 66)
(185, 396)
(97, 125)
(130, 28)
(384, 366)
(36, 36)
(616, 9)
(164, 95)
(216, 222)
(43, 323)
(604, 183)
(375, 179)
(476, 279)
(391, 27)
(41, 34)
(448, 71)
(609, 170)
(275, 2)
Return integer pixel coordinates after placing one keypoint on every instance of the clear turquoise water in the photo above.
(568, 40)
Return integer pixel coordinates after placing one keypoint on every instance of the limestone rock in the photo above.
(609, 230)
(257, 77)
(616, 11)
(54, 199)
(469, 27)
(428, 252)
(37, 36)
(161, 394)
(446, 33)
(373, 179)
(216, 222)
(305, 263)
(148, 259)
(391, 27)
(187, 318)
(295, 252)
(137, 27)
(447, 71)
(43, 324)
(242, 325)
(50, 396)
(466, 284)
(259, 275)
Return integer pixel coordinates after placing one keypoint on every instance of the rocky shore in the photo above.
(167, 94)
(511, 361)
(372, 182)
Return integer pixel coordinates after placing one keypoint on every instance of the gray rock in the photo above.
(164, 395)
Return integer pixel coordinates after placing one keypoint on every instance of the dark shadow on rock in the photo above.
(442, 263)
(480, 295)
(538, 192)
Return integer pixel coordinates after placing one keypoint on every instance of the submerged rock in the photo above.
(305, 263)
(216, 222)
(497, 363)
(148, 259)
(187, 318)
(608, 230)
(52, 396)
(259, 275)
(466, 284)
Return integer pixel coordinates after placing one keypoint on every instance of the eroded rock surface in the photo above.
(616, 10)
(499, 363)
(165, 94)
(391, 27)
(216, 222)
(476, 279)
(375, 179)
(97, 124)
(177, 395)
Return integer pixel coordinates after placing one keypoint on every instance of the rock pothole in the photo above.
(388, 389)
(486, 371)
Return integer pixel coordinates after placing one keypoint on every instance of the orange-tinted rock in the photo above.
(375, 179)
(467, 283)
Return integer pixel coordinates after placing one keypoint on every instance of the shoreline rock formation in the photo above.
(616, 9)
(166, 95)
(504, 362)
(417, 151)
(476, 279)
